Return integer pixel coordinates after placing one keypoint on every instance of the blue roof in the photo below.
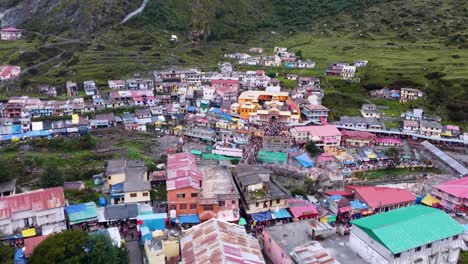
(152, 216)
(336, 197)
(191, 108)
(305, 160)
(117, 188)
(189, 219)
(281, 213)
(262, 216)
(356, 204)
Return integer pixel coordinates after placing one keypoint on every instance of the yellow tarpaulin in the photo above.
(75, 119)
(324, 219)
(430, 200)
(28, 232)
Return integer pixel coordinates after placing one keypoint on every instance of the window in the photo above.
(145, 194)
(207, 207)
(455, 237)
(133, 195)
(182, 206)
(429, 245)
(194, 195)
(277, 201)
(173, 207)
(222, 203)
(417, 249)
(256, 204)
(397, 255)
(193, 206)
(109, 177)
(181, 195)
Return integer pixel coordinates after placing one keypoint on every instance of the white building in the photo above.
(90, 88)
(415, 234)
(40, 208)
(116, 84)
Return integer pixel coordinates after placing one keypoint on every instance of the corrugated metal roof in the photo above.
(215, 241)
(410, 227)
(37, 200)
(446, 158)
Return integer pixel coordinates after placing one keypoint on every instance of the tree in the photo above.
(6, 253)
(312, 149)
(393, 153)
(309, 185)
(66, 247)
(51, 177)
(78, 247)
(299, 191)
(299, 54)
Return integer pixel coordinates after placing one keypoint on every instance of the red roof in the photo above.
(182, 172)
(358, 134)
(300, 207)
(37, 200)
(31, 243)
(377, 197)
(215, 241)
(344, 193)
(457, 188)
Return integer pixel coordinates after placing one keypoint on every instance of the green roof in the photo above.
(409, 227)
(272, 157)
(195, 152)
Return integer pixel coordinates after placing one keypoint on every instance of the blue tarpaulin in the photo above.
(336, 197)
(19, 256)
(188, 219)
(16, 129)
(75, 208)
(280, 214)
(358, 205)
(262, 216)
(154, 221)
(305, 160)
(102, 201)
(191, 109)
(145, 234)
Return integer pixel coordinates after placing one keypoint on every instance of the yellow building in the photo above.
(251, 102)
(159, 251)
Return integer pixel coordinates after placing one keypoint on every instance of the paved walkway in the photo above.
(134, 252)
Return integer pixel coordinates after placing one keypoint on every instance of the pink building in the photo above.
(10, 33)
(390, 142)
(326, 135)
(225, 83)
(453, 195)
(302, 209)
(9, 72)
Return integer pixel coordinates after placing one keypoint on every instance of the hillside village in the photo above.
(250, 171)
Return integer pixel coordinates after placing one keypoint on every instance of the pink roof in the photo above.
(260, 72)
(215, 241)
(299, 207)
(6, 71)
(457, 188)
(31, 243)
(10, 29)
(345, 193)
(325, 157)
(225, 82)
(321, 131)
(37, 200)
(388, 140)
(377, 197)
(182, 172)
(452, 127)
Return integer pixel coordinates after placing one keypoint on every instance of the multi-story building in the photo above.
(453, 195)
(359, 122)
(410, 94)
(90, 88)
(315, 112)
(116, 84)
(10, 33)
(259, 192)
(326, 135)
(357, 139)
(42, 208)
(429, 128)
(370, 110)
(415, 234)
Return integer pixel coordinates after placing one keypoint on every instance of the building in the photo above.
(343, 70)
(218, 197)
(382, 199)
(357, 139)
(359, 122)
(8, 188)
(292, 243)
(127, 181)
(410, 126)
(74, 185)
(370, 110)
(326, 135)
(90, 88)
(219, 242)
(116, 84)
(415, 234)
(72, 88)
(315, 112)
(184, 181)
(410, 94)
(430, 128)
(281, 143)
(453, 195)
(414, 114)
(10, 33)
(42, 208)
(161, 249)
(259, 192)
(256, 50)
(302, 209)
(9, 72)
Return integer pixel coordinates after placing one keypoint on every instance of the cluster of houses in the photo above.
(403, 94)
(281, 57)
(212, 205)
